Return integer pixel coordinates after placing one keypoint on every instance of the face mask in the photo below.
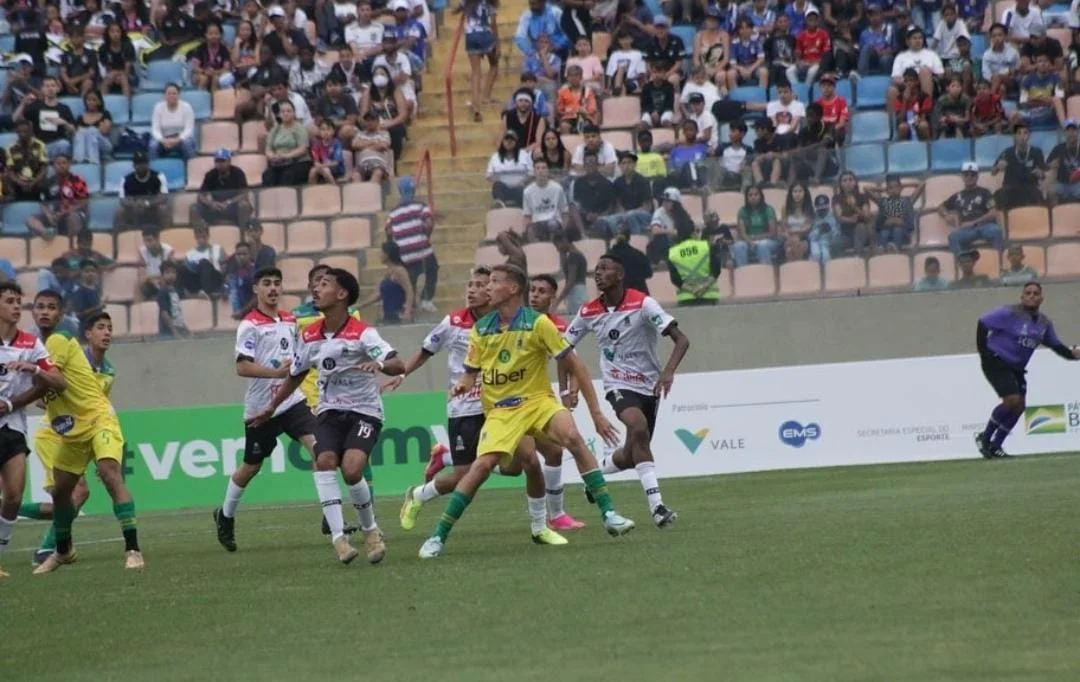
(380, 81)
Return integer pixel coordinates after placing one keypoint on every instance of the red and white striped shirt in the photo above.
(409, 227)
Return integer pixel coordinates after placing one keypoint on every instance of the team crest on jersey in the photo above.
(284, 343)
(614, 334)
(329, 364)
(504, 356)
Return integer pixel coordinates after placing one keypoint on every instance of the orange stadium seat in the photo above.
(278, 203)
(274, 235)
(593, 249)
(724, 282)
(692, 204)
(500, 219)
(103, 243)
(14, 249)
(601, 41)
(320, 200)
(306, 236)
(572, 142)
(361, 198)
(621, 140)
(890, 271)
(1029, 223)
(144, 319)
(639, 242)
(350, 234)
(182, 239)
(754, 281)
(215, 135)
(253, 166)
(940, 188)
(1066, 221)
(660, 137)
(845, 275)
(197, 167)
(800, 278)
(252, 135)
(775, 197)
(1063, 260)
(42, 253)
(294, 272)
(223, 319)
(622, 112)
(198, 314)
(121, 285)
(990, 181)
(28, 281)
(488, 255)
(1034, 257)
(542, 258)
(989, 263)
(349, 263)
(948, 264)
(181, 206)
(225, 235)
(933, 230)
(225, 104)
(119, 315)
(726, 205)
(127, 247)
(661, 288)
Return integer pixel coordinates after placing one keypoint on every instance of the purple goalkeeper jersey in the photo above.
(1015, 334)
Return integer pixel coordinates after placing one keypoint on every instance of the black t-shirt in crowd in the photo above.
(631, 193)
(1050, 47)
(78, 64)
(177, 26)
(268, 74)
(43, 117)
(277, 45)
(594, 193)
(656, 99)
(970, 204)
(667, 54)
(151, 185)
(1068, 161)
(776, 144)
(224, 187)
(780, 48)
(336, 111)
(526, 130)
(117, 60)
(1020, 166)
(636, 267)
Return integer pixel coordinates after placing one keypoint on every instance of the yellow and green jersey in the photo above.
(106, 373)
(306, 315)
(513, 361)
(73, 412)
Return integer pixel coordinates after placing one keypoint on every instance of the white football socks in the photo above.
(326, 484)
(233, 494)
(538, 513)
(360, 495)
(607, 464)
(646, 471)
(426, 492)
(448, 458)
(554, 488)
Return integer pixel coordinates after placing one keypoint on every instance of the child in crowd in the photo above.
(327, 156)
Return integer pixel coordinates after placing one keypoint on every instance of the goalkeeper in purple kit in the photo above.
(1006, 338)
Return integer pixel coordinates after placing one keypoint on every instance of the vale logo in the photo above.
(692, 440)
(795, 434)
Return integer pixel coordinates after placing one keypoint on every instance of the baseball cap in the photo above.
(1037, 30)
(821, 201)
(672, 194)
(140, 157)
(828, 78)
(969, 167)
(222, 155)
(661, 20)
(22, 58)
(399, 4)
(1071, 123)
(696, 97)
(812, 10)
(276, 11)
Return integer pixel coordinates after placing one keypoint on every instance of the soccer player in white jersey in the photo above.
(26, 372)
(265, 342)
(627, 324)
(542, 290)
(348, 354)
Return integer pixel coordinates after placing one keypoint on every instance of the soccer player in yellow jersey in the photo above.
(508, 350)
(98, 338)
(88, 428)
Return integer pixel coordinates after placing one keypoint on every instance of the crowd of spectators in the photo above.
(693, 117)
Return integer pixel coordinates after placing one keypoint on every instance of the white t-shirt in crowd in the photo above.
(705, 120)
(909, 59)
(945, 37)
(786, 117)
(544, 203)
(707, 90)
(633, 60)
(1020, 26)
(510, 172)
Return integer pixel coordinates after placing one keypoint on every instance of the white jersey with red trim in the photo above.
(335, 356)
(560, 323)
(25, 347)
(627, 335)
(452, 335)
(269, 342)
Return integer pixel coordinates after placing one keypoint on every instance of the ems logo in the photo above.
(328, 364)
(504, 356)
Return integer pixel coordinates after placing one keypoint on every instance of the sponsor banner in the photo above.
(850, 413)
(713, 423)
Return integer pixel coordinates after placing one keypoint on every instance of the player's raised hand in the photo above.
(603, 427)
(663, 385)
(392, 384)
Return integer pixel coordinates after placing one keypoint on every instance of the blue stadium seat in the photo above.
(75, 104)
(870, 126)
(908, 158)
(7, 44)
(989, 147)
(200, 102)
(142, 106)
(119, 107)
(1045, 140)
(948, 155)
(102, 210)
(978, 45)
(114, 175)
(228, 34)
(654, 7)
(3, 78)
(7, 139)
(865, 160)
(749, 93)
(684, 31)
(870, 92)
(161, 73)
(175, 171)
(91, 173)
(15, 216)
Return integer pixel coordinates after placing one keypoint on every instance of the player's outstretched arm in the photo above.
(667, 377)
(465, 383)
(576, 368)
(414, 363)
(286, 389)
(249, 369)
(50, 378)
(1054, 343)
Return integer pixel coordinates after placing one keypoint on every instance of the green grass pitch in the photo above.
(923, 572)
